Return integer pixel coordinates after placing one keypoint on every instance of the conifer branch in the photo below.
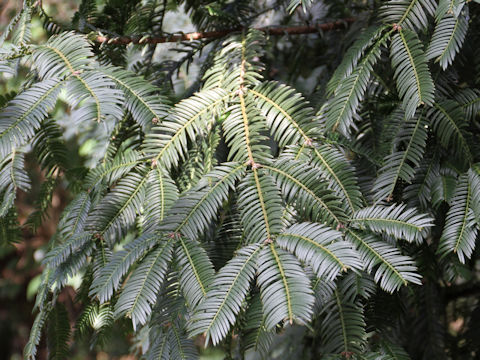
(269, 30)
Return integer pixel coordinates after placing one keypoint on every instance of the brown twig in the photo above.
(291, 30)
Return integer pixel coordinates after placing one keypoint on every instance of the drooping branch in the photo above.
(284, 30)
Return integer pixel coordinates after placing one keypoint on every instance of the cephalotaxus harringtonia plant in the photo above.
(240, 212)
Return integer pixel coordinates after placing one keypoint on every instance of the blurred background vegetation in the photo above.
(20, 263)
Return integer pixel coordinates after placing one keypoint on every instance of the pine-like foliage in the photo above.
(239, 212)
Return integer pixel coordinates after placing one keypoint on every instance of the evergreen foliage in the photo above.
(240, 212)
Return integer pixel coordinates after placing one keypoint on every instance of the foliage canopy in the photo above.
(238, 211)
